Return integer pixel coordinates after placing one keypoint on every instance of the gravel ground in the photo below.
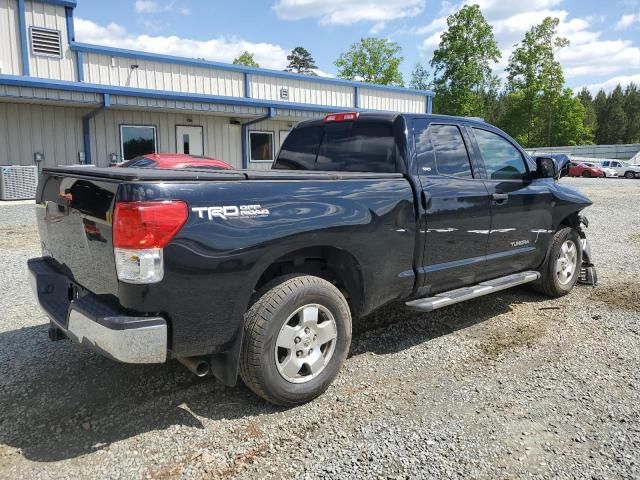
(507, 386)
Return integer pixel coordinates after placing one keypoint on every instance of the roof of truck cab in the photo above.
(392, 116)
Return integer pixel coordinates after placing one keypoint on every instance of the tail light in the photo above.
(341, 117)
(140, 232)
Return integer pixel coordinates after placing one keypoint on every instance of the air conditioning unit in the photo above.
(18, 182)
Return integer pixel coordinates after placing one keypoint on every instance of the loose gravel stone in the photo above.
(511, 385)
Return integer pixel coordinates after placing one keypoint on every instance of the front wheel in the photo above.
(629, 175)
(586, 174)
(296, 338)
(561, 269)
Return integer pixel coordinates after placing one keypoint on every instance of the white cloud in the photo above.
(220, 49)
(612, 83)
(151, 7)
(348, 12)
(627, 20)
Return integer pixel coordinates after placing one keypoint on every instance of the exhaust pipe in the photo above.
(196, 365)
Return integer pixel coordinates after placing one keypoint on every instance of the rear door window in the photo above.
(450, 151)
(357, 147)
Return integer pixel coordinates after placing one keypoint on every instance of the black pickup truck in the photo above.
(262, 273)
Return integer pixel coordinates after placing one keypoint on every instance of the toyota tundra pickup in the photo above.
(261, 273)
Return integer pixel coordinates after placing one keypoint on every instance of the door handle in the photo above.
(500, 197)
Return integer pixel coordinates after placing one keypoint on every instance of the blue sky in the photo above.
(605, 36)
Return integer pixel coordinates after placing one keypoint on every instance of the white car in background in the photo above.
(623, 169)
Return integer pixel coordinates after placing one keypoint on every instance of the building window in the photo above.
(46, 42)
(261, 146)
(137, 140)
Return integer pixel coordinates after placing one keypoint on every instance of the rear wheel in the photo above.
(297, 336)
(629, 175)
(561, 269)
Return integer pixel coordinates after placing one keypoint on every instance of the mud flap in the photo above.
(225, 365)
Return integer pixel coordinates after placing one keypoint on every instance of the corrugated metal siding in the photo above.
(26, 129)
(50, 16)
(392, 101)
(48, 95)
(301, 91)
(107, 70)
(10, 62)
(182, 105)
(221, 139)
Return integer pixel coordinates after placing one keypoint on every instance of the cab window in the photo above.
(502, 160)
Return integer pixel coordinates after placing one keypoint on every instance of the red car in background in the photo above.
(172, 161)
(581, 170)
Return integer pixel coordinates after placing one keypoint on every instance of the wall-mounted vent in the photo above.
(46, 42)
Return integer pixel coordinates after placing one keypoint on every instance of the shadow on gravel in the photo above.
(59, 401)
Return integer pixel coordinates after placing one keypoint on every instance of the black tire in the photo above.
(586, 174)
(549, 283)
(276, 302)
(629, 175)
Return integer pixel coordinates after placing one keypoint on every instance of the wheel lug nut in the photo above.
(306, 330)
(297, 340)
(310, 351)
(299, 353)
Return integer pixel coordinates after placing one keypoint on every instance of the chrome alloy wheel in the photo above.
(306, 343)
(567, 262)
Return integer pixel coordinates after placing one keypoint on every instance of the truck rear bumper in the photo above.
(88, 320)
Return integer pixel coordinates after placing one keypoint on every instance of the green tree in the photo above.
(246, 59)
(616, 126)
(568, 121)
(534, 71)
(590, 118)
(420, 78)
(632, 111)
(372, 60)
(602, 116)
(301, 61)
(461, 64)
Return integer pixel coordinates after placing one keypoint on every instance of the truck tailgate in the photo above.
(74, 220)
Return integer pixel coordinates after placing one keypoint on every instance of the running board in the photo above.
(467, 293)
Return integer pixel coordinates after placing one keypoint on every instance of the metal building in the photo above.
(64, 102)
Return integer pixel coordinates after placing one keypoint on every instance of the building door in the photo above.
(189, 140)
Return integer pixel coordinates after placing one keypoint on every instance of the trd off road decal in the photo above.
(229, 212)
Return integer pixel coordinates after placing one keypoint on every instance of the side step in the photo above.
(467, 293)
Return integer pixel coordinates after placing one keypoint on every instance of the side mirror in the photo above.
(552, 167)
(545, 167)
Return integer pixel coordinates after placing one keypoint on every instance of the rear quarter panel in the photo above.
(213, 264)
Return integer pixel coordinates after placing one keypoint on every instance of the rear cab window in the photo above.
(358, 146)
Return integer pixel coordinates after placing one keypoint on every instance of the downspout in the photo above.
(86, 127)
(245, 133)
(24, 46)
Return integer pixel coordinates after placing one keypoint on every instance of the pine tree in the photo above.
(601, 107)
(632, 111)
(590, 118)
(301, 61)
(616, 126)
